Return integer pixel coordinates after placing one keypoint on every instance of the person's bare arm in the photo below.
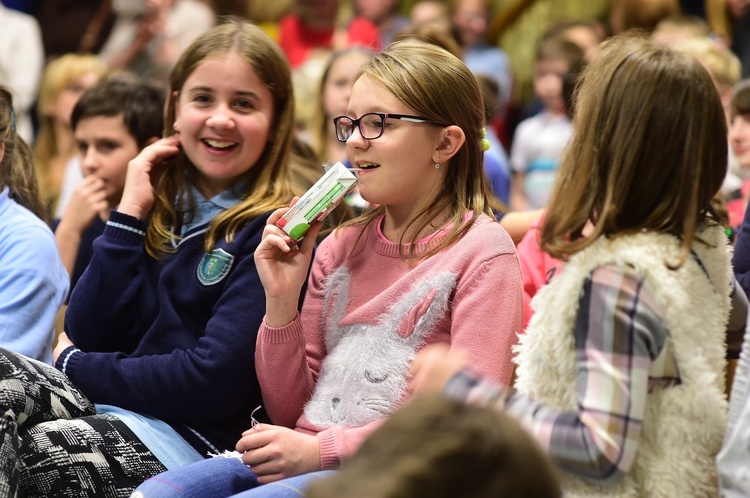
(518, 201)
(517, 223)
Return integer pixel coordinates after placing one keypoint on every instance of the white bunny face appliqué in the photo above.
(363, 376)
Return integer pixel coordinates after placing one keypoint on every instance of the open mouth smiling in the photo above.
(221, 145)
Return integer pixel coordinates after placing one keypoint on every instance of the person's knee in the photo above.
(211, 477)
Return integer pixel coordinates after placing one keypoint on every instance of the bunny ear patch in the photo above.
(418, 315)
(334, 307)
(363, 376)
(415, 315)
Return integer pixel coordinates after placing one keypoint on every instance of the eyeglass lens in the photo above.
(370, 126)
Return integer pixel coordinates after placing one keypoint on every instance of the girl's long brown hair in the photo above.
(17, 164)
(649, 149)
(267, 183)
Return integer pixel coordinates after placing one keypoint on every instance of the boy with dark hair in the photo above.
(111, 122)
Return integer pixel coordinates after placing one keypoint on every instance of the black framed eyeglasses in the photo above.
(372, 124)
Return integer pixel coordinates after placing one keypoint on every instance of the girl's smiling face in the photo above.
(224, 113)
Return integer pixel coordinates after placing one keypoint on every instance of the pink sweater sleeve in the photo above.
(486, 316)
(284, 390)
(287, 359)
(339, 443)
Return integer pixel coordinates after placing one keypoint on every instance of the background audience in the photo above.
(526, 55)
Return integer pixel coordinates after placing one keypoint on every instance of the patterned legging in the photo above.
(52, 443)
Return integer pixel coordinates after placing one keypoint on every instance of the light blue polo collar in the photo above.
(208, 209)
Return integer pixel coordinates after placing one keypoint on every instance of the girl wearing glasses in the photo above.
(429, 265)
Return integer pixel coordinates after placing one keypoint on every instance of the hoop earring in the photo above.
(437, 166)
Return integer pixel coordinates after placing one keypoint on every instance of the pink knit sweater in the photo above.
(366, 313)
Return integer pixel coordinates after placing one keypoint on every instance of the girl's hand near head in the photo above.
(138, 195)
(282, 266)
(275, 453)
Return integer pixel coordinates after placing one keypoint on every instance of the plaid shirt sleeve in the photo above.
(622, 348)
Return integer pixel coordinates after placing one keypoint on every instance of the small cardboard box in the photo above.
(317, 202)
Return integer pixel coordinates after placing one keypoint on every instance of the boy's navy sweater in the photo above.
(156, 340)
(85, 248)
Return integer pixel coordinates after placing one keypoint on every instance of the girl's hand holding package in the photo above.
(282, 267)
(138, 196)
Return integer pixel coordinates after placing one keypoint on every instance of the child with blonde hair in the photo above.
(63, 82)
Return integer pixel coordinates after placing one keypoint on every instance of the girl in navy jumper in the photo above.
(156, 369)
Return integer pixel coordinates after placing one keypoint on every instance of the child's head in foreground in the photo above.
(440, 448)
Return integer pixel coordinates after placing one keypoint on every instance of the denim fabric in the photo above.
(221, 478)
(293, 487)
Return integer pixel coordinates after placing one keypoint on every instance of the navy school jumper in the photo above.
(173, 338)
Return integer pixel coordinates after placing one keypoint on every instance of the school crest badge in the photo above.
(214, 266)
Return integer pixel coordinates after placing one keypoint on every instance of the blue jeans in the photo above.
(221, 478)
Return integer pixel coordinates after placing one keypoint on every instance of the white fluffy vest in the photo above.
(683, 425)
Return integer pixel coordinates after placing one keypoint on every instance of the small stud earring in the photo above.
(437, 166)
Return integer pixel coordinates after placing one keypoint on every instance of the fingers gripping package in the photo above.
(317, 202)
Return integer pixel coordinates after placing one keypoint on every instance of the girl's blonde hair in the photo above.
(17, 163)
(267, 185)
(439, 87)
(649, 149)
(58, 74)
